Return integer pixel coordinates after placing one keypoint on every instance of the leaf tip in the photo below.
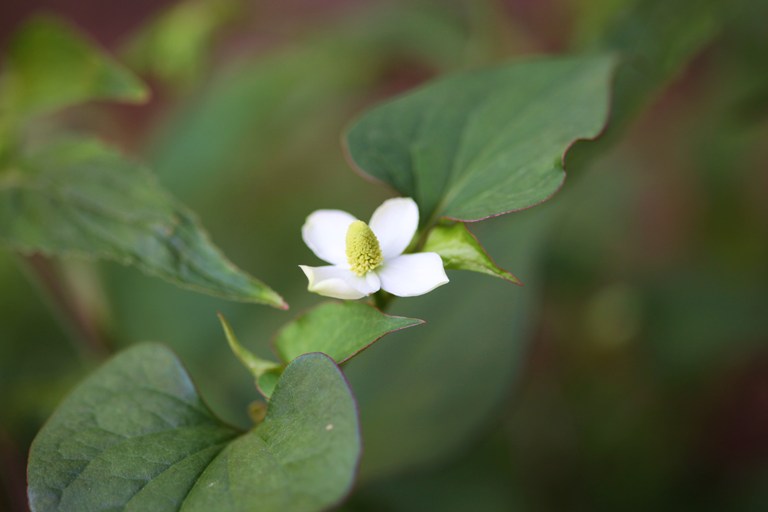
(228, 333)
(271, 298)
(140, 93)
(407, 322)
(256, 365)
(512, 278)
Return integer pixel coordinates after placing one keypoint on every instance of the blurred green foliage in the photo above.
(49, 66)
(628, 372)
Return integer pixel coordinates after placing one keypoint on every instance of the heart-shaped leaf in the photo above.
(460, 250)
(50, 66)
(80, 197)
(484, 142)
(135, 436)
(338, 329)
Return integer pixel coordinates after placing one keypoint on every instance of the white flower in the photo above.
(368, 257)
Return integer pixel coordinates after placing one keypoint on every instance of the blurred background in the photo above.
(631, 370)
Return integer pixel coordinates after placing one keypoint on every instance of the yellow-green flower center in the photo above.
(363, 250)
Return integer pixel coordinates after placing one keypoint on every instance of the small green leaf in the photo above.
(460, 250)
(135, 436)
(78, 197)
(484, 142)
(256, 365)
(338, 329)
(265, 373)
(267, 381)
(50, 66)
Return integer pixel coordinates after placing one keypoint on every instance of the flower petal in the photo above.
(412, 274)
(394, 223)
(325, 232)
(340, 283)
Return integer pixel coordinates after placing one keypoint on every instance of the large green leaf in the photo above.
(50, 66)
(339, 329)
(79, 197)
(485, 142)
(136, 436)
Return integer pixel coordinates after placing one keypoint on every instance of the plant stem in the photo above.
(82, 327)
(12, 476)
(382, 300)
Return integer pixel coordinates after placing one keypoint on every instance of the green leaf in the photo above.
(265, 373)
(302, 458)
(460, 250)
(485, 142)
(136, 436)
(256, 365)
(339, 329)
(50, 66)
(78, 197)
(267, 381)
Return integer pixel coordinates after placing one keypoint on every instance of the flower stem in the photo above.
(12, 474)
(382, 300)
(83, 328)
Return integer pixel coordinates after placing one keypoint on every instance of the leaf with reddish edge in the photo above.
(485, 142)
